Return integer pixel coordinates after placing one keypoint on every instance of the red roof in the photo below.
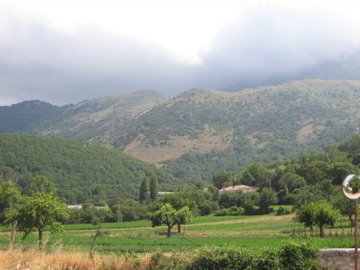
(237, 187)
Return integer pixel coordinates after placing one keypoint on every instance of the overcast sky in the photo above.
(70, 50)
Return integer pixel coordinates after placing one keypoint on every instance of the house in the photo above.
(164, 193)
(243, 188)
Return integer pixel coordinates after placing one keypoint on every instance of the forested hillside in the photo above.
(81, 171)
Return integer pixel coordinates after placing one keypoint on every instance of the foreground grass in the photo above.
(295, 256)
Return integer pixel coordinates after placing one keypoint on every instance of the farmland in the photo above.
(248, 232)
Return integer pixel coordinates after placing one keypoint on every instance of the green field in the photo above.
(249, 232)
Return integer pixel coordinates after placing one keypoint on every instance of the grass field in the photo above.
(250, 232)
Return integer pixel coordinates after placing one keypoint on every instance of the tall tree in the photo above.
(144, 190)
(153, 187)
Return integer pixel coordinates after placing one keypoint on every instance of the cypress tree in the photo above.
(144, 188)
(153, 187)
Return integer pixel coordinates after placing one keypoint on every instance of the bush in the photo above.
(297, 257)
(282, 211)
(222, 212)
(288, 257)
(160, 261)
(221, 258)
(232, 211)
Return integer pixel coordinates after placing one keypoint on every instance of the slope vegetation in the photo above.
(216, 130)
(81, 171)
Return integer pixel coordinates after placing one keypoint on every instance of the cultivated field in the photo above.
(248, 232)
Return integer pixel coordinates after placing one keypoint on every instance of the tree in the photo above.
(169, 216)
(267, 198)
(339, 170)
(153, 187)
(40, 211)
(257, 175)
(290, 181)
(42, 184)
(144, 190)
(10, 195)
(346, 206)
(220, 178)
(352, 148)
(326, 214)
(319, 214)
(182, 216)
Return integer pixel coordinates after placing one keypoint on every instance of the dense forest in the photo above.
(82, 172)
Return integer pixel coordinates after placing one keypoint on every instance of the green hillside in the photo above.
(81, 171)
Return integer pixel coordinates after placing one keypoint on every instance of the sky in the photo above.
(70, 50)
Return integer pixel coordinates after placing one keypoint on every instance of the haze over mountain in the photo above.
(200, 131)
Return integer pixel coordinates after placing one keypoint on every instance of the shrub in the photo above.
(282, 211)
(160, 261)
(297, 257)
(288, 257)
(221, 258)
(232, 211)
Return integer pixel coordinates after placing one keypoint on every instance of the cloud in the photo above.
(269, 42)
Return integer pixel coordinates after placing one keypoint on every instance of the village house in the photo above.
(243, 188)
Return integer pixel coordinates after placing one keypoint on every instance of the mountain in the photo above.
(201, 131)
(95, 120)
(24, 116)
(98, 120)
(82, 171)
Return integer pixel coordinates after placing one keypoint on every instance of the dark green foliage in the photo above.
(297, 257)
(267, 198)
(153, 187)
(198, 201)
(144, 190)
(352, 148)
(290, 256)
(10, 195)
(282, 211)
(82, 172)
(219, 179)
(41, 184)
(290, 181)
(232, 211)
